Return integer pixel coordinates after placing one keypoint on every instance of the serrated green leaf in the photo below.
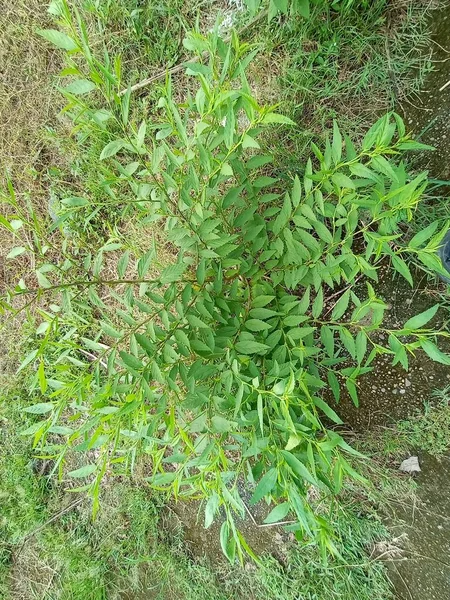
(361, 346)
(298, 467)
(317, 306)
(265, 485)
(172, 273)
(58, 39)
(334, 385)
(327, 410)
(352, 390)
(130, 361)
(336, 147)
(413, 145)
(201, 271)
(29, 358)
(123, 263)
(80, 87)
(195, 68)
(418, 321)
(423, 236)
(294, 320)
(61, 430)
(250, 347)
(42, 328)
(261, 301)
(33, 429)
(82, 471)
(17, 251)
(224, 535)
(380, 164)
(74, 201)
(296, 192)
(327, 338)
(210, 509)
(43, 280)
(363, 171)
(276, 118)
(39, 409)
(434, 353)
(145, 343)
(196, 322)
(278, 513)
(226, 170)
(263, 313)
(401, 267)
(283, 216)
(341, 306)
(200, 347)
(323, 232)
(342, 181)
(111, 149)
(221, 425)
(249, 142)
(293, 442)
(257, 325)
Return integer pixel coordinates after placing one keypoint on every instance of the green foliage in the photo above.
(341, 65)
(216, 368)
(47, 551)
(301, 7)
(125, 551)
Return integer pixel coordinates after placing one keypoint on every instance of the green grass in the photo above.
(348, 66)
(149, 35)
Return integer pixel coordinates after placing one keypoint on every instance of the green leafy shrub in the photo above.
(216, 368)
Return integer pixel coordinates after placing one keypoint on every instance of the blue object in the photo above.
(444, 255)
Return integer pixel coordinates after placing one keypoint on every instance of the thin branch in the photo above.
(277, 524)
(179, 67)
(90, 282)
(93, 357)
(44, 525)
(153, 78)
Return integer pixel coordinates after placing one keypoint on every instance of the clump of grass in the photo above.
(356, 576)
(349, 65)
(428, 430)
(147, 35)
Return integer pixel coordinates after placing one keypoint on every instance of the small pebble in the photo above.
(410, 465)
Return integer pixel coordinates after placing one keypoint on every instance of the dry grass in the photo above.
(28, 103)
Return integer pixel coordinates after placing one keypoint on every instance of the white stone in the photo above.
(410, 465)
